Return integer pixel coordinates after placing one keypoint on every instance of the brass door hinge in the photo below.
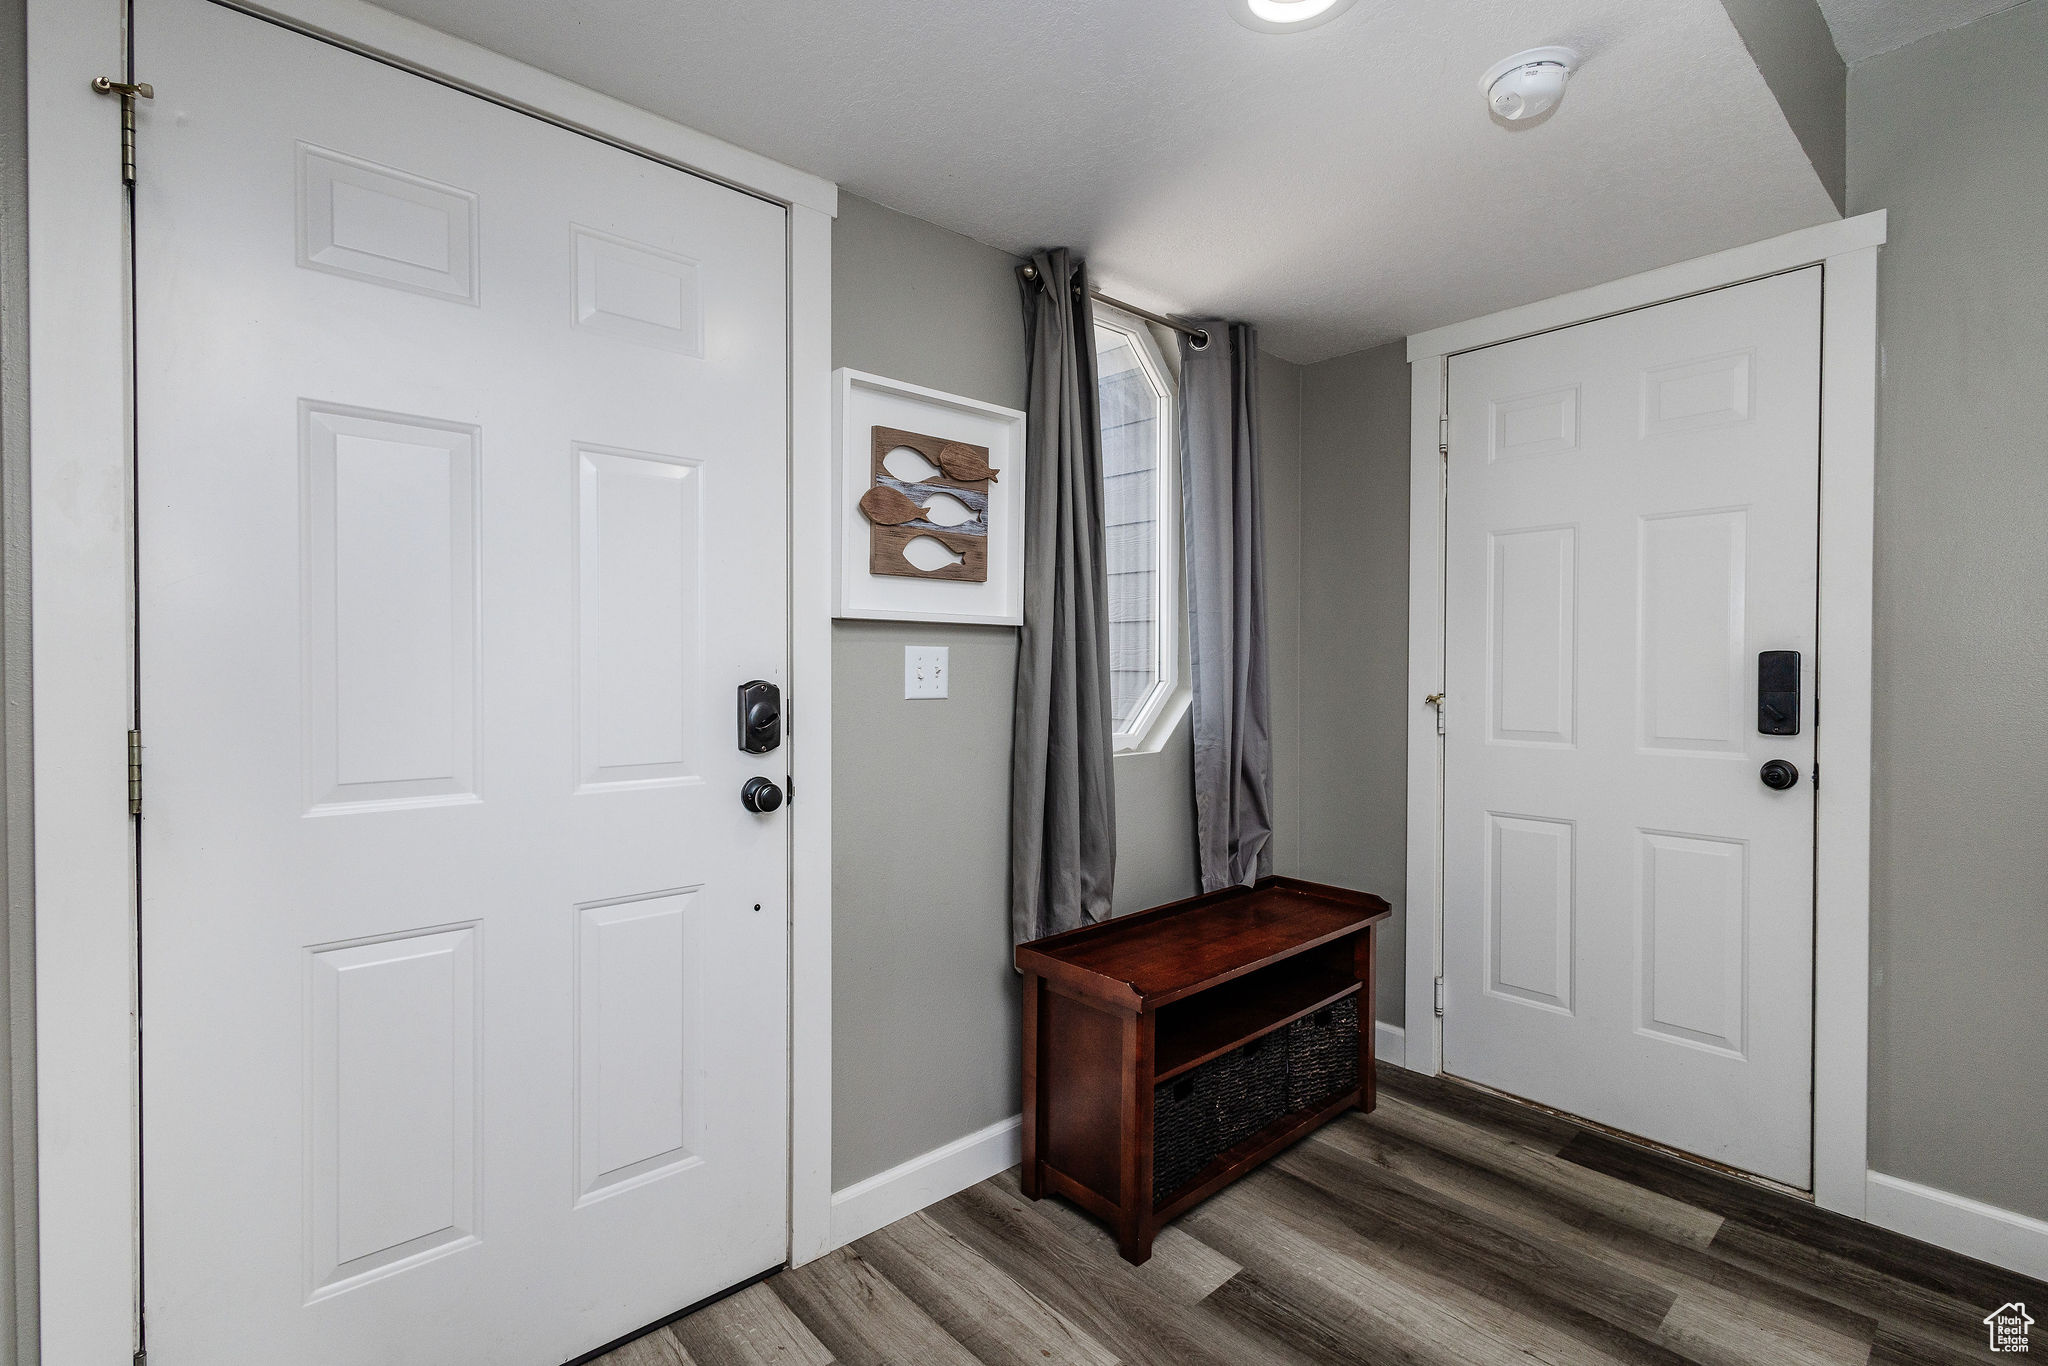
(1436, 699)
(129, 92)
(134, 772)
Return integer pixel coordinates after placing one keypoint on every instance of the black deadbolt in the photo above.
(760, 795)
(1779, 774)
(760, 716)
(1777, 693)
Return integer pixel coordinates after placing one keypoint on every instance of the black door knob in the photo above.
(1778, 774)
(763, 796)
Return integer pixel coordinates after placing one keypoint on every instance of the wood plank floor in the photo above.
(1448, 1227)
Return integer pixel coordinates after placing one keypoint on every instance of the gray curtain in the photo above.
(1062, 798)
(1226, 565)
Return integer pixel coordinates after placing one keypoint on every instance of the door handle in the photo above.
(760, 796)
(1778, 774)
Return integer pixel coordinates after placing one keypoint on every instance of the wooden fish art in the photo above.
(965, 463)
(885, 506)
(944, 536)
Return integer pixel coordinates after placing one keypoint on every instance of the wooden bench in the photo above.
(1169, 1052)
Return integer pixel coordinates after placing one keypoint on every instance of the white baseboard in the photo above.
(903, 1190)
(1986, 1232)
(1390, 1043)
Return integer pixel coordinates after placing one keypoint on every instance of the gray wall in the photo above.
(1790, 43)
(17, 956)
(925, 1005)
(924, 1001)
(1354, 629)
(1280, 452)
(1951, 135)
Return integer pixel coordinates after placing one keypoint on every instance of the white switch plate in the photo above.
(924, 671)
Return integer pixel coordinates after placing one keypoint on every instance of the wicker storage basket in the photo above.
(1322, 1054)
(1210, 1109)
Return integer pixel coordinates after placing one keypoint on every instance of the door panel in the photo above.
(464, 968)
(1631, 518)
(639, 543)
(1693, 969)
(1531, 918)
(637, 1116)
(389, 611)
(1532, 675)
(1693, 589)
(393, 1156)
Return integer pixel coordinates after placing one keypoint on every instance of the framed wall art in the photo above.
(930, 493)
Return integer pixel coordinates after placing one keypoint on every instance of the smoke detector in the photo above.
(1529, 84)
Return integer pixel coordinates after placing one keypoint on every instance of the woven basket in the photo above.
(1205, 1112)
(1322, 1055)
(1183, 1132)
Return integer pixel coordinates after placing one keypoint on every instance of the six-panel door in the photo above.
(462, 501)
(1628, 921)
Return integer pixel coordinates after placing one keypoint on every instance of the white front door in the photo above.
(1628, 907)
(462, 495)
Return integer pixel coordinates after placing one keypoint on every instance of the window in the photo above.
(1141, 512)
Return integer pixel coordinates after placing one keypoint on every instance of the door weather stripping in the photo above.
(134, 772)
(129, 94)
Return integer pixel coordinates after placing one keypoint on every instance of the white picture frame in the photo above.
(862, 402)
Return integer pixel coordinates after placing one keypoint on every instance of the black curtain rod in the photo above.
(1199, 336)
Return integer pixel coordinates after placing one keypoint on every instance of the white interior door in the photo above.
(1628, 908)
(462, 507)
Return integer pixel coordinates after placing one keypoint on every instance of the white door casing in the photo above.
(1849, 373)
(462, 511)
(79, 319)
(1631, 517)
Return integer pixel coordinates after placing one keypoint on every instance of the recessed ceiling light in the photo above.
(1285, 16)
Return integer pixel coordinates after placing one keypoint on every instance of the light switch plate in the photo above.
(924, 671)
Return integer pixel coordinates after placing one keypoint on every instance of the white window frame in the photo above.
(1152, 721)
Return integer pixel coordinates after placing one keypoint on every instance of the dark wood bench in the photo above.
(1169, 1052)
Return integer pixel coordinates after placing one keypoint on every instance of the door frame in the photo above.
(1847, 252)
(84, 621)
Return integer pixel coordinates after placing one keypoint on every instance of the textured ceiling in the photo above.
(1339, 187)
(1864, 28)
